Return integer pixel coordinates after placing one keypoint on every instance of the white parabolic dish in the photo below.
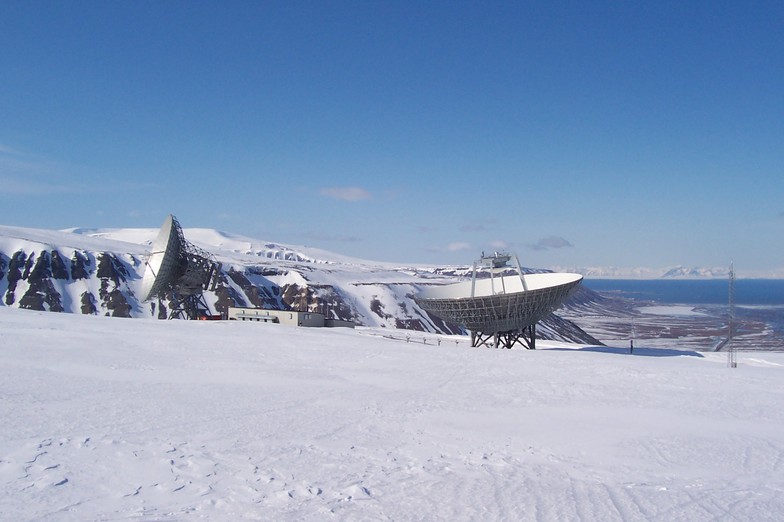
(499, 304)
(165, 263)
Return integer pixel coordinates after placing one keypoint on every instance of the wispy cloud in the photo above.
(29, 187)
(477, 227)
(549, 243)
(5, 149)
(317, 236)
(129, 186)
(482, 225)
(458, 246)
(499, 244)
(425, 229)
(135, 213)
(19, 164)
(26, 174)
(30, 174)
(392, 194)
(345, 193)
(16, 183)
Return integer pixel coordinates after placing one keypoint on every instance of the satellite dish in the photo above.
(180, 270)
(499, 308)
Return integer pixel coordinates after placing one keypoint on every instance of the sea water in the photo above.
(760, 299)
(758, 292)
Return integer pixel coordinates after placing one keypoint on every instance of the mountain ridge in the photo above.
(99, 272)
(672, 272)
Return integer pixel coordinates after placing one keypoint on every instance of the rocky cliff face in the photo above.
(100, 282)
(47, 280)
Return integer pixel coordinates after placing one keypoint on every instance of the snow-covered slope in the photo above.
(99, 271)
(106, 419)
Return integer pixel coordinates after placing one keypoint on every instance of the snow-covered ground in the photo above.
(669, 310)
(116, 419)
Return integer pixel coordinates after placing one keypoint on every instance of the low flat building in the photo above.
(287, 317)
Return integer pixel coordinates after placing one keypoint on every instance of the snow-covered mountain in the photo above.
(612, 272)
(99, 272)
(675, 272)
(683, 272)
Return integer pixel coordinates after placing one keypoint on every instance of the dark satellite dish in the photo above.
(179, 270)
(502, 308)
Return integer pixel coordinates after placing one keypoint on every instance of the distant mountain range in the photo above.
(99, 271)
(675, 272)
(697, 272)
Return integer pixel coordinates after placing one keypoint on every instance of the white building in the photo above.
(287, 317)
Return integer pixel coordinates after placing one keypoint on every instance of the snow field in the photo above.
(111, 419)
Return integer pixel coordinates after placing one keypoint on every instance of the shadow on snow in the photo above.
(641, 352)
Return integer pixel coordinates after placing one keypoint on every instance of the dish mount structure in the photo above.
(180, 271)
(501, 304)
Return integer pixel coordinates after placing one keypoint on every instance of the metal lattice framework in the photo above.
(181, 270)
(500, 311)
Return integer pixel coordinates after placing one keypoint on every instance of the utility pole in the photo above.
(732, 358)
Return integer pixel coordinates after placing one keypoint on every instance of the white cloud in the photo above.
(345, 193)
(499, 244)
(458, 246)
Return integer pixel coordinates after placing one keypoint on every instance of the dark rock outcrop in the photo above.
(41, 296)
(377, 307)
(58, 266)
(112, 272)
(37, 272)
(41, 268)
(259, 295)
(88, 304)
(15, 267)
(80, 263)
(109, 267)
(297, 297)
(331, 302)
(227, 296)
(115, 302)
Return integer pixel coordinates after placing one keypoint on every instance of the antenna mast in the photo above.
(732, 359)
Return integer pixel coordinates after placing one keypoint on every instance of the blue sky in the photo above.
(574, 133)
